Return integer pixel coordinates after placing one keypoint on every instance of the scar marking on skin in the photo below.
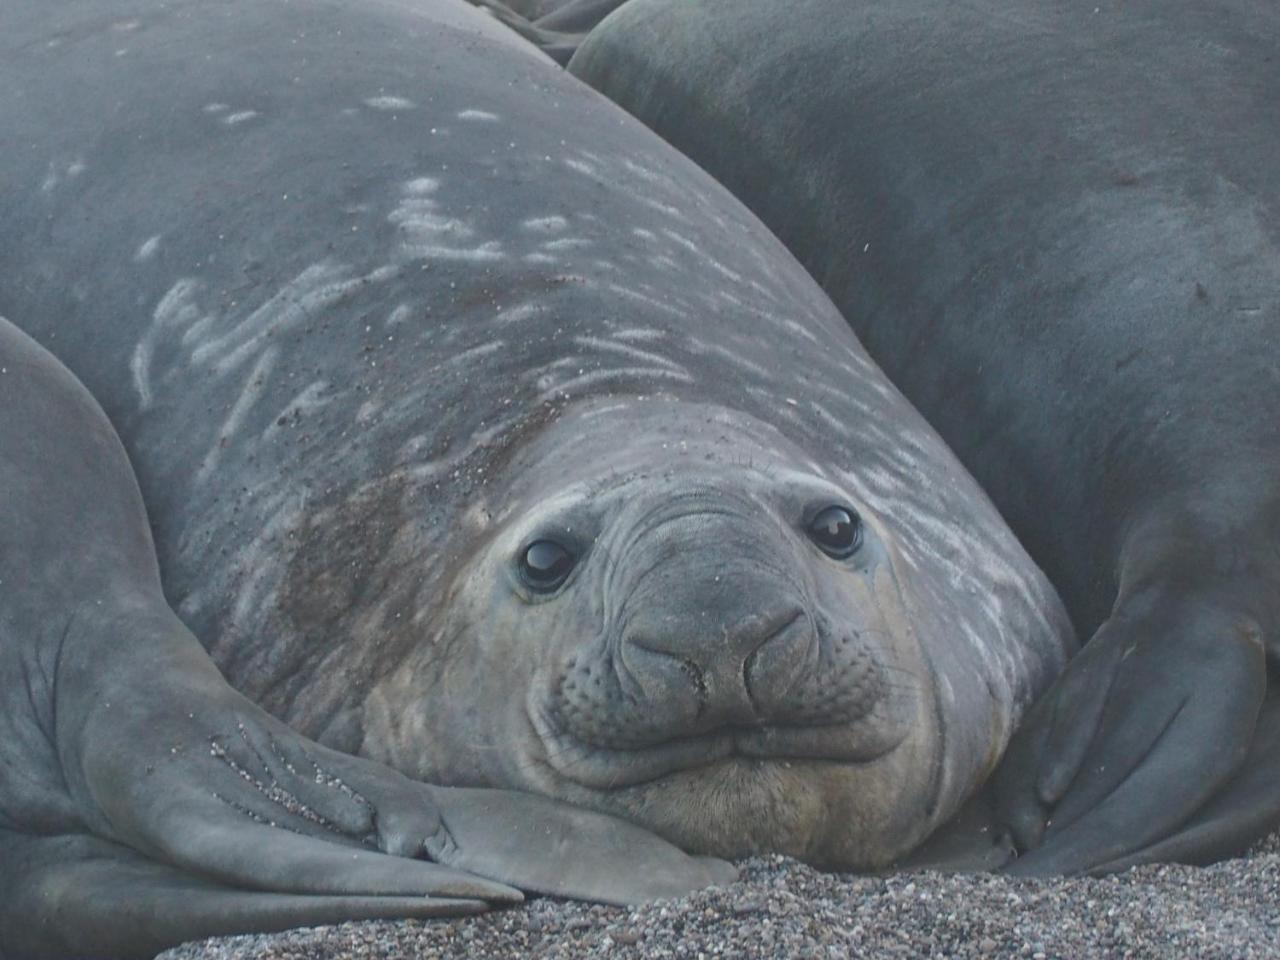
(176, 308)
(567, 243)
(585, 380)
(674, 212)
(424, 221)
(426, 233)
(443, 465)
(199, 330)
(399, 315)
(640, 333)
(735, 359)
(521, 311)
(800, 331)
(550, 224)
(389, 103)
(483, 115)
(645, 298)
(486, 252)
(261, 587)
(469, 356)
(635, 353)
(148, 249)
(316, 288)
(249, 396)
(240, 116)
(580, 166)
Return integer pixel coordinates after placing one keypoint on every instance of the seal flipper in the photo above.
(1149, 725)
(79, 896)
(1247, 808)
(545, 846)
(181, 771)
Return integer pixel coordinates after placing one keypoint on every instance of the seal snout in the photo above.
(735, 670)
(714, 631)
(719, 647)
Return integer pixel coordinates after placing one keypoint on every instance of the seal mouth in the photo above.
(611, 767)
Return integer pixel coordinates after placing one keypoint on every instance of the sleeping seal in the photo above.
(485, 443)
(1058, 229)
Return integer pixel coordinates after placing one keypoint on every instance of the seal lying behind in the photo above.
(482, 436)
(556, 27)
(1060, 234)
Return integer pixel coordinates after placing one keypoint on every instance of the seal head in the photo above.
(703, 631)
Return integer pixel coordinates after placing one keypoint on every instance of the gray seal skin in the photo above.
(485, 443)
(1058, 230)
(556, 28)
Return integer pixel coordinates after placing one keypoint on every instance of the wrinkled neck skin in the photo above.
(705, 668)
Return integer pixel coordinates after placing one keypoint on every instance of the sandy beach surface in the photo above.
(781, 908)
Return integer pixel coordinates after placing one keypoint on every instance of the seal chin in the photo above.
(838, 815)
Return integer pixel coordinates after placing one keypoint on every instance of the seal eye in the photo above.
(545, 564)
(837, 530)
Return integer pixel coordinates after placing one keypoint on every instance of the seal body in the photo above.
(1060, 236)
(482, 436)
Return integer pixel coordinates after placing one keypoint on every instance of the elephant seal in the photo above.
(1058, 231)
(534, 507)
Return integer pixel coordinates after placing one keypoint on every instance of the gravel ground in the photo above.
(784, 909)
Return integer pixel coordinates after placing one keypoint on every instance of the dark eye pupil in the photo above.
(546, 563)
(836, 530)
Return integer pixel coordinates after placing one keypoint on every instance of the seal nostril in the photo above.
(785, 625)
(748, 668)
(686, 665)
(694, 672)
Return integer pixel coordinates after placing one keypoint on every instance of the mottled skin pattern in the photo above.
(375, 302)
(1057, 226)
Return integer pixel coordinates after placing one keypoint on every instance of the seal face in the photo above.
(713, 641)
